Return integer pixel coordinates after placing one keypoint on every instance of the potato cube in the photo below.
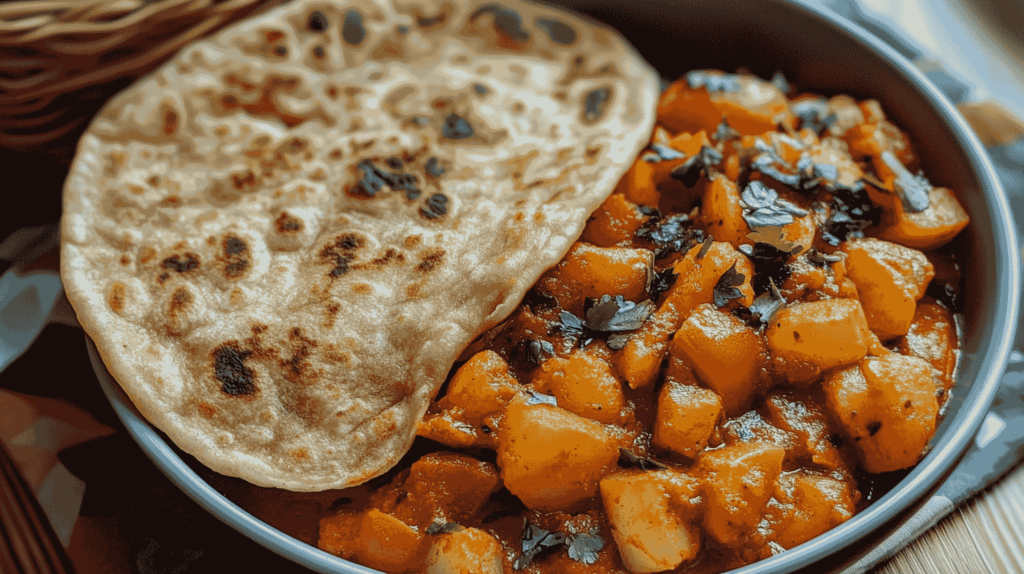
(640, 360)
(887, 406)
(582, 384)
(339, 533)
(552, 459)
(466, 551)
(481, 386)
(890, 279)
(589, 271)
(388, 544)
(807, 505)
(698, 277)
(637, 185)
(808, 338)
(613, 223)
(445, 485)
(741, 479)
(929, 229)
(650, 534)
(722, 213)
(809, 423)
(686, 417)
(932, 337)
(725, 353)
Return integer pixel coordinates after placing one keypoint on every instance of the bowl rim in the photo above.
(890, 509)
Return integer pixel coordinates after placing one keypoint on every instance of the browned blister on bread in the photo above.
(281, 240)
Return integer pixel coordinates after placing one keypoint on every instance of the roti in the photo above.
(281, 240)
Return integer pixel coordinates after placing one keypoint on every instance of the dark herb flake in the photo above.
(443, 527)
(702, 162)
(534, 541)
(663, 281)
(629, 460)
(770, 263)
(456, 128)
(822, 259)
(672, 235)
(727, 287)
(704, 248)
(584, 547)
(614, 315)
(537, 350)
(762, 207)
(570, 325)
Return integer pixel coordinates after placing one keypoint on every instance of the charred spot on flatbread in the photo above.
(340, 253)
(229, 369)
(352, 30)
(234, 258)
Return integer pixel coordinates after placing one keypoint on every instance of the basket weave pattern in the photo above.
(61, 59)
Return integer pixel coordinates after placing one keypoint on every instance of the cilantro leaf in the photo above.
(666, 153)
(762, 207)
(913, 189)
(584, 547)
(534, 541)
(763, 309)
(536, 398)
(779, 81)
(713, 81)
(629, 460)
(569, 324)
(813, 114)
(726, 288)
(616, 341)
(612, 315)
(725, 132)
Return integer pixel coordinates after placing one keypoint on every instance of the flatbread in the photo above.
(281, 240)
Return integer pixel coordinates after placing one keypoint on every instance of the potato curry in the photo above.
(752, 327)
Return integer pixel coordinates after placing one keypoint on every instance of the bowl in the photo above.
(819, 52)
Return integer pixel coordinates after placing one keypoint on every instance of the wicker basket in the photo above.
(60, 60)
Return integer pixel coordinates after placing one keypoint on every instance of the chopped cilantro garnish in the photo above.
(614, 315)
(912, 189)
(713, 81)
(762, 207)
(725, 132)
(672, 235)
(726, 288)
(584, 547)
(534, 541)
(536, 398)
(663, 281)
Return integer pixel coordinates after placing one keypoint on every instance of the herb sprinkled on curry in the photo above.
(752, 327)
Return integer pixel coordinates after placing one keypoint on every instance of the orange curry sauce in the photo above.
(753, 335)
